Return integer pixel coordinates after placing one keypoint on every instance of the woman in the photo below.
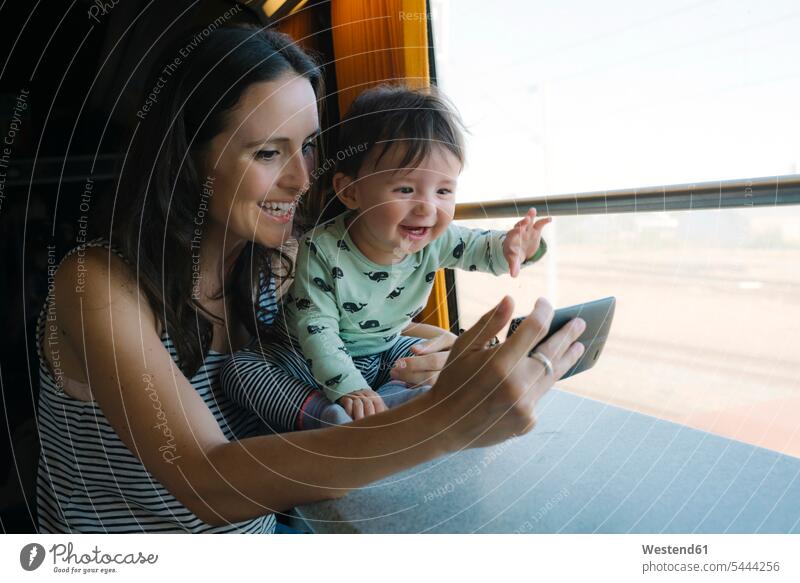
(135, 434)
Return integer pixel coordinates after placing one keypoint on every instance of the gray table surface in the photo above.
(587, 467)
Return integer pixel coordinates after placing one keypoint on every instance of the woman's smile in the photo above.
(281, 212)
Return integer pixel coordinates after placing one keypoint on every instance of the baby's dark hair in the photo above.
(387, 115)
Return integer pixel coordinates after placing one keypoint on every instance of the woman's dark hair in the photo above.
(160, 189)
(388, 115)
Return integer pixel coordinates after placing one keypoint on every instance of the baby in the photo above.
(361, 278)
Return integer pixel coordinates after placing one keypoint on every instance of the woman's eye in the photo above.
(266, 154)
(309, 147)
(404, 190)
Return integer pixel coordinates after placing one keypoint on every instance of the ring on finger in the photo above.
(546, 362)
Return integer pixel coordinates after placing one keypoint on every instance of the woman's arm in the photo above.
(150, 403)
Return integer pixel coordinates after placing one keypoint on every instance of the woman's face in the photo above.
(258, 167)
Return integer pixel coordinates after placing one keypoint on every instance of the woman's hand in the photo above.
(490, 393)
(523, 240)
(429, 358)
(363, 403)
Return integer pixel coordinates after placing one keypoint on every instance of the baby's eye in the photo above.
(444, 191)
(266, 154)
(404, 190)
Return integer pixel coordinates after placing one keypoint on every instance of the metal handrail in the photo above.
(740, 193)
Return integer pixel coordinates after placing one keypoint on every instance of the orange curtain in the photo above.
(385, 41)
(378, 41)
(436, 312)
(301, 27)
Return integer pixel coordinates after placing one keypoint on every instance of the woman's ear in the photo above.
(345, 191)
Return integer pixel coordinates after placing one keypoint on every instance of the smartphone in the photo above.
(597, 314)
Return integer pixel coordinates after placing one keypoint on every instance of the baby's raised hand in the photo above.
(363, 403)
(523, 240)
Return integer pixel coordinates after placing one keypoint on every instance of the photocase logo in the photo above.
(31, 556)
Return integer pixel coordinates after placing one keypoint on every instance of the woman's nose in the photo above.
(295, 174)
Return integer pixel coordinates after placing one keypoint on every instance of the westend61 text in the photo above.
(670, 550)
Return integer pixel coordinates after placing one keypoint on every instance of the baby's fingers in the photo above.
(540, 224)
(378, 405)
(357, 409)
(528, 219)
(369, 407)
(347, 405)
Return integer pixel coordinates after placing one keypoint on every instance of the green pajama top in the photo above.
(342, 305)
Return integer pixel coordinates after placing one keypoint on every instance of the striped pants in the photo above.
(272, 378)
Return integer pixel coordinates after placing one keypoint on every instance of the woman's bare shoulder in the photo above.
(94, 281)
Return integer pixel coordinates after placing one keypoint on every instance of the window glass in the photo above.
(707, 316)
(576, 96)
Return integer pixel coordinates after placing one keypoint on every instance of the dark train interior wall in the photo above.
(71, 80)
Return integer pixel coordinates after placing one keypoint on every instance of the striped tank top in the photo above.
(88, 480)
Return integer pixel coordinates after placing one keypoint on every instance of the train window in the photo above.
(577, 96)
(580, 96)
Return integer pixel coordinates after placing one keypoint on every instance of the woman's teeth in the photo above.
(277, 208)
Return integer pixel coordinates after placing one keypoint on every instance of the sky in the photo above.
(575, 96)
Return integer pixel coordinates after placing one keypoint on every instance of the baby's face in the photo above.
(401, 210)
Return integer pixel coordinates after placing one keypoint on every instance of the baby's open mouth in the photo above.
(414, 232)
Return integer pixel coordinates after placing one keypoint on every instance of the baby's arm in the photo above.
(495, 252)
(316, 323)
